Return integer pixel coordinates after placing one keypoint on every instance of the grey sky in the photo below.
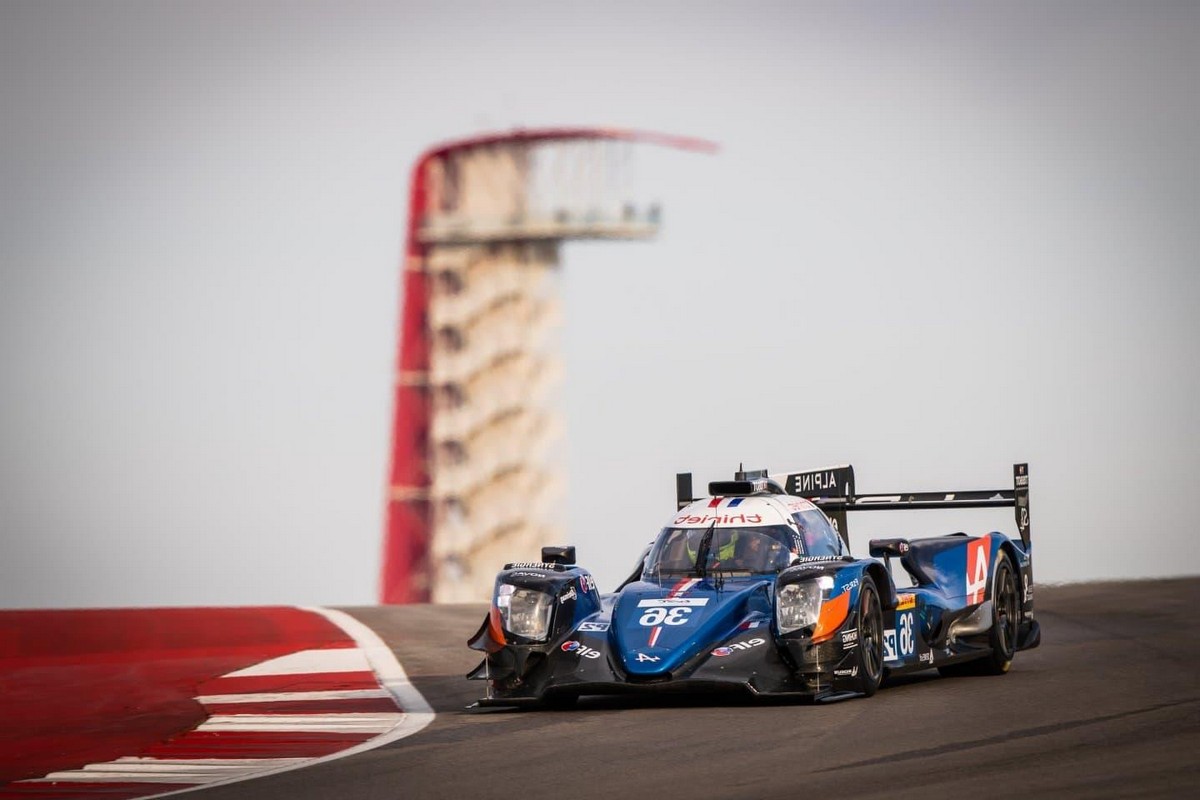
(938, 239)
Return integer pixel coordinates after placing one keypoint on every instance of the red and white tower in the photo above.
(471, 482)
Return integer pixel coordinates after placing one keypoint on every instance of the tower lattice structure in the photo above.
(473, 480)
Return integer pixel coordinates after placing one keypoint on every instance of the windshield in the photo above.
(757, 550)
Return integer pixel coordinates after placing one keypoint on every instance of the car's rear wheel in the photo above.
(870, 638)
(1006, 622)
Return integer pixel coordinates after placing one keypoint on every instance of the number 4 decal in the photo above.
(977, 569)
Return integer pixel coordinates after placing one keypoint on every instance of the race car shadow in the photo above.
(622, 702)
(696, 699)
(897, 681)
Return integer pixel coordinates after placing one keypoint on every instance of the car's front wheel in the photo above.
(870, 638)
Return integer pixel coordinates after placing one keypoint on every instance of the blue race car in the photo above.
(754, 589)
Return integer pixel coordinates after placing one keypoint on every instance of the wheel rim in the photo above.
(871, 631)
(1006, 611)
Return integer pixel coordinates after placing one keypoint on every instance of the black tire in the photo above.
(870, 638)
(1006, 621)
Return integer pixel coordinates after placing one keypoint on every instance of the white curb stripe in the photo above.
(344, 659)
(313, 723)
(138, 769)
(87, 776)
(288, 697)
(129, 761)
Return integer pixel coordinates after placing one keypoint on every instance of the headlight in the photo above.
(798, 605)
(524, 612)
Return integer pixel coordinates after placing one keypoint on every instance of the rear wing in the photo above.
(832, 489)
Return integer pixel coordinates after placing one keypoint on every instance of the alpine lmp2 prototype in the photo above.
(754, 589)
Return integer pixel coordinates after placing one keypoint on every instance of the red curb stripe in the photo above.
(65, 790)
(29, 635)
(88, 686)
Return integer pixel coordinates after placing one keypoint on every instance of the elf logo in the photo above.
(580, 649)
(731, 649)
(978, 554)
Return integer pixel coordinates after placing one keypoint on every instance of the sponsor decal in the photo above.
(668, 602)
(811, 566)
(745, 626)
(977, 569)
(850, 585)
(815, 559)
(587, 583)
(569, 594)
(643, 657)
(580, 649)
(597, 627)
(719, 519)
(846, 673)
(926, 658)
(850, 638)
(532, 565)
(815, 481)
(733, 648)
(528, 575)
(905, 601)
(1028, 588)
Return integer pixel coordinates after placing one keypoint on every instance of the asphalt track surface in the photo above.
(1108, 706)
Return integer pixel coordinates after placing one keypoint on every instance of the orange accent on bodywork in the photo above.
(494, 627)
(833, 614)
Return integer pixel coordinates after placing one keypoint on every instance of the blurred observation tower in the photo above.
(472, 482)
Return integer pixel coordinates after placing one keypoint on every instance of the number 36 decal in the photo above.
(677, 615)
(905, 639)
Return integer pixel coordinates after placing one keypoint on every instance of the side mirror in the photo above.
(888, 547)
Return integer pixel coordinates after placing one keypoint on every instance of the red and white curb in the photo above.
(282, 714)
